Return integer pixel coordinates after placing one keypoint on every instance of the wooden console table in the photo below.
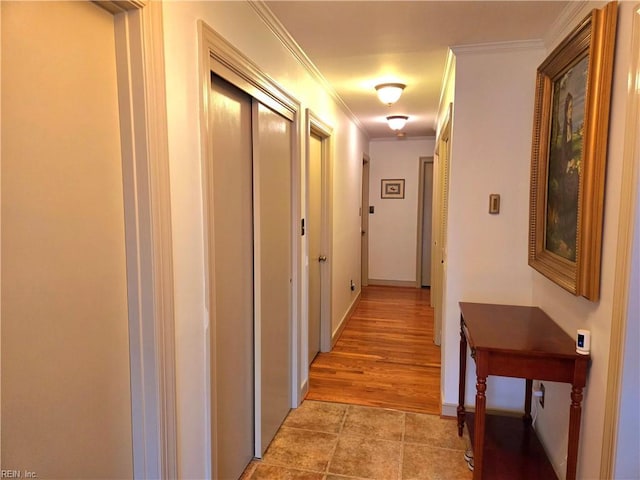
(522, 342)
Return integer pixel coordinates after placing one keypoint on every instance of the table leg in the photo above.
(462, 379)
(575, 413)
(478, 434)
(527, 400)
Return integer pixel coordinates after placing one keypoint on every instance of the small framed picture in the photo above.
(392, 188)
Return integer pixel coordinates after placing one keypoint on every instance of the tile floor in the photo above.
(333, 441)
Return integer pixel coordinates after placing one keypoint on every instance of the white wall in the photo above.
(393, 227)
(572, 312)
(239, 24)
(487, 254)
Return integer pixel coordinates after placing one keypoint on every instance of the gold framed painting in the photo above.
(568, 155)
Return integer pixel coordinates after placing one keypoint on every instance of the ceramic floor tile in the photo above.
(301, 449)
(246, 475)
(422, 462)
(340, 477)
(434, 431)
(374, 422)
(366, 458)
(318, 416)
(272, 472)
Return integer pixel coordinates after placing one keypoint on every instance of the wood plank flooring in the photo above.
(385, 356)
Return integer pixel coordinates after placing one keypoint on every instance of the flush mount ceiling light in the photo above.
(397, 122)
(389, 93)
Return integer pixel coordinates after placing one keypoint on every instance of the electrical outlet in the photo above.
(352, 286)
(538, 392)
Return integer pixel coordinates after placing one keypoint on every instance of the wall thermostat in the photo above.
(583, 342)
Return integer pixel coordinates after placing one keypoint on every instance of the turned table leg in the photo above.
(478, 434)
(575, 413)
(462, 379)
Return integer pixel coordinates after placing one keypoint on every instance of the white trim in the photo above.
(449, 410)
(405, 139)
(140, 67)
(119, 6)
(570, 16)
(281, 33)
(449, 69)
(343, 322)
(392, 283)
(626, 226)
(497, 47)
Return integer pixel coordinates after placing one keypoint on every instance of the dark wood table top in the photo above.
(515, 329)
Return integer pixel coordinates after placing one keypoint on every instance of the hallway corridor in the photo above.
(385, 356)
(373, 407)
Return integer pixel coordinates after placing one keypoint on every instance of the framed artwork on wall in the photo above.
(392, 188)
(568, 155)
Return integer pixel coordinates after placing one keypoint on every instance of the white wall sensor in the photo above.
(583, 342)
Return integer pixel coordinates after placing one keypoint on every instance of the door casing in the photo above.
(315, 126)
(220, 57)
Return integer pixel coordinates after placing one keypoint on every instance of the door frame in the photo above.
(439, 224)
(316, 126)
(364, 222)
(148, 240)
(613, 414)
(421, 187)
(145, 168)
(217, 55)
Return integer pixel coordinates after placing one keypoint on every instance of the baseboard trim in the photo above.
(393, 283)
(451, 410)
(343, 322)
(304, 389)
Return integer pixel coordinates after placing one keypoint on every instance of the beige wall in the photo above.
(65, 356)
(239, 23)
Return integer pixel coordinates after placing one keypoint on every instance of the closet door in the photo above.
(230, 224)
(272, 222)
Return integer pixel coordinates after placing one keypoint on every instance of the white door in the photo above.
(272, 154)
(231, 279)
(314, 230)
(66, 395)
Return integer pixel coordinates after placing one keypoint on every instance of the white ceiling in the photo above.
(358, 44)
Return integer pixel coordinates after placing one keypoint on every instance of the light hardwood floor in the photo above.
(385, 356)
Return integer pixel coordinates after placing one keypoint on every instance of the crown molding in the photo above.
(420, 138)
(281, 33)
(570, 16)
(119, 6)
(497, 47)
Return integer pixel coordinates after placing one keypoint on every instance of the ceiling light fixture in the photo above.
(397, 122)
(389, 93)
